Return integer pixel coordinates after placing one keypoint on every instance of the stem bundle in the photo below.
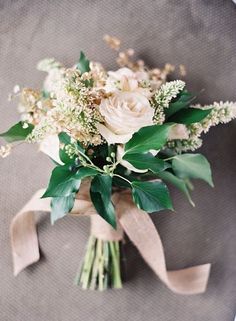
(101, 268)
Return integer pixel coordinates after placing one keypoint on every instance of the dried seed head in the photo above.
(113, 42)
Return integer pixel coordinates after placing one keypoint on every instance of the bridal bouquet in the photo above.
(116, 139)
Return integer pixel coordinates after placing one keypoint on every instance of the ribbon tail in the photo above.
(23, 234)
(142, 232)
(24, 241)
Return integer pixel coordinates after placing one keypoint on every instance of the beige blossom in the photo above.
(124, 79)
(124, 114)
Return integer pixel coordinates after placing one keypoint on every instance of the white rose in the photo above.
(51, 146)
(124, 79)
(124, 114)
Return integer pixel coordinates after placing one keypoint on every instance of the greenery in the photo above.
(18, 132)
(100, 193)
(148, 138)
(83, 64)
(151, 196)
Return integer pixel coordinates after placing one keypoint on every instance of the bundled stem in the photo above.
(101, 268)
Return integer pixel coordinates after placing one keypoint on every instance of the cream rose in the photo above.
(124, 114)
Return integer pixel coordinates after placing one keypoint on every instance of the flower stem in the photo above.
(125, 179)
(101, 267)
(115, 254)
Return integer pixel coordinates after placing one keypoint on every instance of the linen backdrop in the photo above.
(200, 34)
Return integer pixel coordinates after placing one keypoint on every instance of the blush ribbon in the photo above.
(135, 222)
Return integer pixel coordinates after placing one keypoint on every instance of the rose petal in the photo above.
(112, 138)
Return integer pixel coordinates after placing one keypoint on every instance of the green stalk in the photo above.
(101, 267)
(84, 276)
(117, 283)
(106, 264)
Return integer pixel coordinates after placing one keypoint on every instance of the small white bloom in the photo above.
(25, 125)
(124, 113)
(53, 81)
(16, 89)
(5, 150)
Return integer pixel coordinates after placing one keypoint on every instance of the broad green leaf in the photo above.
(190, 116)
(178, 182)
(63, 182)
(151, 196)
(100, 193)
(83, 64)
(146, 161)
(181, 102)
(61, 206)
(17, 132)
(192, 166)
(84, 172)
(148, 138)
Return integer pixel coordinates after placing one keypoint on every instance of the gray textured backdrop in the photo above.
(200, 34)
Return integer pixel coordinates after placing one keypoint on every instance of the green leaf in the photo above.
(151, 196)
(100, 193)
(64, 157)
(192, 166)
(84, 172)
(146, 161)
(148, 138)
(178, 182)
(61, 206)
(182, 101)
(64, 138)
(17, 132)
(83, 64)
(190, 116)
(63, 182)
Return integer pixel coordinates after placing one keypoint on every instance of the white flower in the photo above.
(51, 146)
(53, 81)
(124, 114)
(124, 79)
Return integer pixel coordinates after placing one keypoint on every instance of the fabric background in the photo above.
(201, 34)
